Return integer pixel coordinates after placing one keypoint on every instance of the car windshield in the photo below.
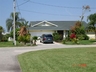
(48, 35)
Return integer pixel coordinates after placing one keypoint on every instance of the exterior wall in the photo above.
(91, 36)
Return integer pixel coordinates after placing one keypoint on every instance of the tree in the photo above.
(79, 30)
(92, 23)
(16, 33)
(1, 30)
(9, 21)
(24, 36)
(23, 31)
(25, 23)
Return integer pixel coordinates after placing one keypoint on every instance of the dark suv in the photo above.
(46, 38)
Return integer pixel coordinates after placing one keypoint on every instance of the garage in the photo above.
(40, 32)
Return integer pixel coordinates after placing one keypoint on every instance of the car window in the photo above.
(48, 35)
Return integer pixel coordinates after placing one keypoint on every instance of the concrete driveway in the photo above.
(8, 56)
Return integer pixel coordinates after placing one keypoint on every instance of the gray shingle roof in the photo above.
(62, 25)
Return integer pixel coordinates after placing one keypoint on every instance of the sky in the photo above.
(50, 10)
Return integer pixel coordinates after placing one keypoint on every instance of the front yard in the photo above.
(81, 42)
(10, 44)
(59, 60)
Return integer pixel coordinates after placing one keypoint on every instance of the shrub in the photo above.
(34, 39)
(4, 38)
(72, 36)
(86, 37)
(24, 39)
(56, 37)
(16, 33)
(63, 41)
(75, 40)
(80, 37)
(20, 38)
(67, 38)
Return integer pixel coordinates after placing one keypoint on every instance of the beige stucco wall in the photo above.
(91, 36)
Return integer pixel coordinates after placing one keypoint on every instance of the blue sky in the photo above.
(51, 10)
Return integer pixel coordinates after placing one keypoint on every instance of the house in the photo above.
(48, 27)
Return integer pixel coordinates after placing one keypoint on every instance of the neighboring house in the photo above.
(48, 27)
(91, 35)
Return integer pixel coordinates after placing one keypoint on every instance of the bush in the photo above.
(34, 40)
(86, 37)
(16, 33)
(56, 37)
(83, 37)
(4, 38)
(24, 39)
(34, 37)
(80, 37)
(68, 39)
(63, 41)
(75, 41)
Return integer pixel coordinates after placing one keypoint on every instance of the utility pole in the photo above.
(14, 9)
(85, 8)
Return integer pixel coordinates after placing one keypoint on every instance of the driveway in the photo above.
(8, 56)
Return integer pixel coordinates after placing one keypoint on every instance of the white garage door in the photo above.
(39, 33)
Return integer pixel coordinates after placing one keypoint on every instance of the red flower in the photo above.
(72, 36)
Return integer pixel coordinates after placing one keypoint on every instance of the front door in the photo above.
(60, 32)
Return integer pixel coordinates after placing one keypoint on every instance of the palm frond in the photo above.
(9, 24)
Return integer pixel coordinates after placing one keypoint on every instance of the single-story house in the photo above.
(37, 28)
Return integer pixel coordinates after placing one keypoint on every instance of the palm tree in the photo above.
(1, 30)
(92, 23)
(23, 31)
(25, 23)
(9, 21)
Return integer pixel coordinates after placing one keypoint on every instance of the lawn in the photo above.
(59, 60)
(9, 44)
(81, 42)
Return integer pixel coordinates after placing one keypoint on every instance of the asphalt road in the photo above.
(8, 56)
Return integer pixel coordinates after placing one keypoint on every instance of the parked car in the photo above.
(46, 38)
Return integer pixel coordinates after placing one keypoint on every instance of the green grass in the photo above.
(59, 60)
(81, 42)
(6, 44)
(9, 44)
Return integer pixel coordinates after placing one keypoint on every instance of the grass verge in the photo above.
(10, 44)
(59, 60)
(81, 42)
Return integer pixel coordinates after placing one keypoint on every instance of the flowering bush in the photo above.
(72, 36)
(75, 40)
